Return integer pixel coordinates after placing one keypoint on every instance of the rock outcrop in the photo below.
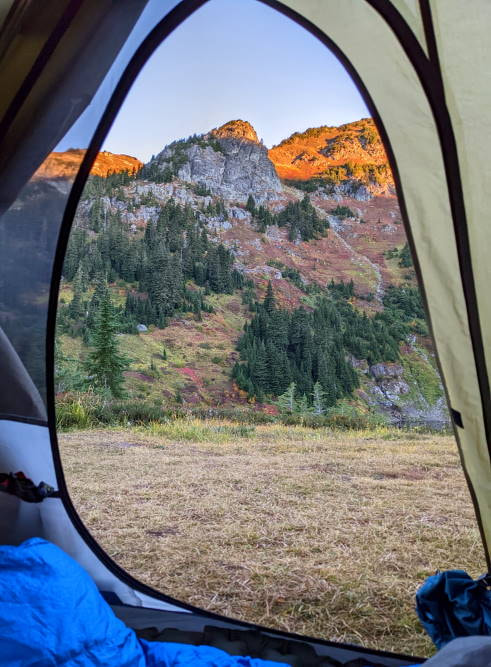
(396, 393)
(228, 162)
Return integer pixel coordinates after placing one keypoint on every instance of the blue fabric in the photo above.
(451, 604)
(51, 614)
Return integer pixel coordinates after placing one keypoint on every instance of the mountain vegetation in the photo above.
(156, 267)
(300, 218)
(158, 260)
(281, 348)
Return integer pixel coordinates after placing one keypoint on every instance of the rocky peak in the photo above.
(228, 161)
(236, 129)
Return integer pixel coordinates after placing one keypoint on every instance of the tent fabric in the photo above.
(68, 94)
(22, 397)
(53, 63)
(451, 604)
(422, 67)
(51, 613)
(402, 83)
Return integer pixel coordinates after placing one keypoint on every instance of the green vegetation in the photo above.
(201, 190)
(404, 303)
(173, 251)
(308, 185)
(358, 174)
(342, 290)
(105, 364)
(342, 212)
(163, 170)
(280, 347)
(171, 266)
(369, 136)
(403, 255)
(88, 409)
(366, 174)
(423, 378)
(300, 218)
(294, 276)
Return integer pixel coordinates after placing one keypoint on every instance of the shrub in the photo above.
(343, 212)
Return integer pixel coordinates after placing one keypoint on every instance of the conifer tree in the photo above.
(269, 302)
(251, 205)
(302, 407)
(68, 372)
(105, 363)
(287, 402)
(318, 399)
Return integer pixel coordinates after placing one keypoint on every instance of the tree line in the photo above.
(299, 217)
(156, 267)
(316, 347)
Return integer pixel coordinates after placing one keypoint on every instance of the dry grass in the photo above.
(315, 532)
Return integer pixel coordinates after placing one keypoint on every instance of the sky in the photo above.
(234, 59)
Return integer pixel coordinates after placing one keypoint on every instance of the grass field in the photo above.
(311, 531)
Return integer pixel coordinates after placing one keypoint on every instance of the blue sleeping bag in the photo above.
(52, 614)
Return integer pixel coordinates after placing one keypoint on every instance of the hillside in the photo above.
(350, 154)
(189, 245)
(65, 165)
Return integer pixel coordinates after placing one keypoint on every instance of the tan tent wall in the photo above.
(382, 64)
(467, 80)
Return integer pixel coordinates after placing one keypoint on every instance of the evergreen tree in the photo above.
(105, 364)
(269, 302)
(405, 258)
(251, 205)
(287, 402)
(318, 399)
(302, 407)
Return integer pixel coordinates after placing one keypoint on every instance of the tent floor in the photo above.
(239, 639)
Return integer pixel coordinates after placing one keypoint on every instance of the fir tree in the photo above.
(269, 302)
(318, 399)
(251, 205)
(105, 364)
(287, 402)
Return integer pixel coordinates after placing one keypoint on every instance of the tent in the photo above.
(422, 68)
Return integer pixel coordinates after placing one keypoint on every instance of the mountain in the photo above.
(352, 152)
(228, 161)
(240, 282)
(64, 165)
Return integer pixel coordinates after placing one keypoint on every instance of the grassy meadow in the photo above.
(314, 531)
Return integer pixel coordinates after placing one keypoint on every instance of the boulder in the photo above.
(381, 371)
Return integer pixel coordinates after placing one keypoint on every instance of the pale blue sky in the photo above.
(234, 59)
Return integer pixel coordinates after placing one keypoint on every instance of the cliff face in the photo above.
(316, 151)
(66, 164)
(228, 162)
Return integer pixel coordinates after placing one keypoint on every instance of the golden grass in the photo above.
(316, 532)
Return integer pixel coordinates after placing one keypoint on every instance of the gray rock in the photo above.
(240, 169)
(141, 328)
(382, 370)
(239, 213)
(218, 224)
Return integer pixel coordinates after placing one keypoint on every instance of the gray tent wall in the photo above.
(431, 98)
